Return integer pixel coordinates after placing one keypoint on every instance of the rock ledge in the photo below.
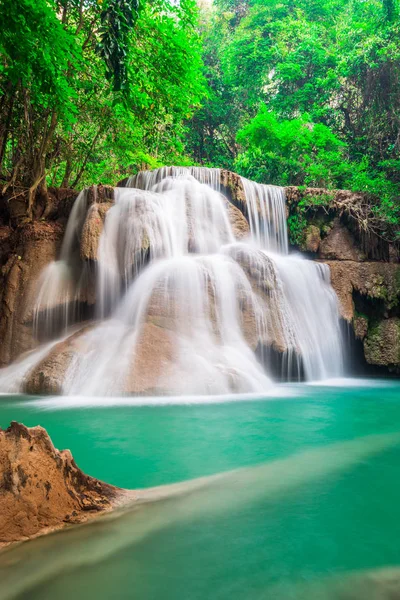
(42, 489)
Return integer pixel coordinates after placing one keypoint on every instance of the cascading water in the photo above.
(145, 180)
(267, 215)
(59, 288)
(182, 304)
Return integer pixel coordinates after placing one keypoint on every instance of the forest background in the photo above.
(288, 92)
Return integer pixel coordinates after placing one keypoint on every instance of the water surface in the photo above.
(309, 511)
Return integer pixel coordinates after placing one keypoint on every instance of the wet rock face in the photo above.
(232, 187)
(373, 280)
(376, 286)
(239, 223)
(42, 488)
(92, 230)
(32, 248)
(48, 376)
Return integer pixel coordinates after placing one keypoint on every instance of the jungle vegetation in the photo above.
(289, 92)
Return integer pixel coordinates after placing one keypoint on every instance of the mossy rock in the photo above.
(382, 344)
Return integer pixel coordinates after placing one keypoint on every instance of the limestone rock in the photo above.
(153, 365)
(43, 489)
(260, 270)
(48, 376)
(239, 223)
(376, 280)
(382, 344)
(92, 230)
(312, 239)
(100, 193)
(232, 186)
(360, 325)
(35, 245)
(339, 244)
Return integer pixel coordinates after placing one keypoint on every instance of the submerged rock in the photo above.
(43, 489)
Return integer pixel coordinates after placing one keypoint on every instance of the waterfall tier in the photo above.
(185, 294)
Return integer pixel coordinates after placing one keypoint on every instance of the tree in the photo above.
(84, 81)
(295, 64)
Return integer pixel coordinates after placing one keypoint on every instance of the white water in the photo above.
(267, 215)
(182, 304)
(59, 288)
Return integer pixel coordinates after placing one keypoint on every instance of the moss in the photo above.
(382, 345)
(397, 283)
(360, 315)
(312, 209)
(360, 325)
(323, 199)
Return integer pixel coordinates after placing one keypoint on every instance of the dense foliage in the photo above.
(305, 92)
(292, 92)
(91, 89)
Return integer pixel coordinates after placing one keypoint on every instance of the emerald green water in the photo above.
(311, 511)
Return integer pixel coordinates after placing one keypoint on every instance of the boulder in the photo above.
(43, 489)
(48, 376)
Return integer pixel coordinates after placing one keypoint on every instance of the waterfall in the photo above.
(183, 305)
(267, 215)
(56, 304)
(145, 180)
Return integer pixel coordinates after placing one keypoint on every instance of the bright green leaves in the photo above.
(94, 89)
(289, 152)
(36, 51)
(305, 92)
(117, 20)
